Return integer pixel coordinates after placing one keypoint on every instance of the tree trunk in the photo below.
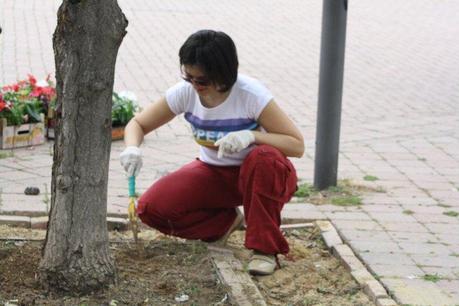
(76, 256)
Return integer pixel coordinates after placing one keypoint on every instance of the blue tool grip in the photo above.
(132, 186)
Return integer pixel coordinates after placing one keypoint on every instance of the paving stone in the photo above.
(342, 250)
(417, 292)
(39, 223)
(358, 225)
(331, 238)
(374, 290)
(301, 212)
(324, 225)
(399, 236)
(443, 260)
(18, 221)
(406, 227)
(11, 203)
(454, 248)
(386, 302)
(379, 199)
(437, 218)
(329, 208)
(386, 258)
(116, 211)
(423, 248)
(448, 238)
(424, 209)
(392, 217)
(296, 226)
(443, 272)
(119, 224)
(439, 228)
(397, 270)
(350, 234)
(375, 246)
(347, 216)
(383, 208)
(450, 286)
(18, 174)
(362, 276)
(352, 263)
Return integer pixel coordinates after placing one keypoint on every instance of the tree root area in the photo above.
(155, 273)
(163, 270)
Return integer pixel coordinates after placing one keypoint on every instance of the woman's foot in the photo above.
(237, 224)
(262, 264)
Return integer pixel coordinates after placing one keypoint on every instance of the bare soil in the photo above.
(165, 268)
(309, 275)
(156, 273)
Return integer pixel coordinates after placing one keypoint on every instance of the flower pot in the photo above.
(117, 132)
(23, 135)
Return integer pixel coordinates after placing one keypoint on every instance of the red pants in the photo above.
(198, 201)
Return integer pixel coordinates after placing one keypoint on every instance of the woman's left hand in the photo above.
(234, 142)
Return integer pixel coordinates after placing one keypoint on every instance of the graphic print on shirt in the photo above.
(207, 132)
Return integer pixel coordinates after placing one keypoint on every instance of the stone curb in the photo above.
(371, 287)
(16, 221)
(113, 223)
(242, 289)
(24, 213)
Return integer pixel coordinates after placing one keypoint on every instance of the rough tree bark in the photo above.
(76, 256)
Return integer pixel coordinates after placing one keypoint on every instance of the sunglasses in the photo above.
(198, 82)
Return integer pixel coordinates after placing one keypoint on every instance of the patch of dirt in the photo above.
(168, 267)
(164, 269)
(310, 275)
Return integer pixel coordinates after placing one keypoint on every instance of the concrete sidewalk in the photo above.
(400, 120)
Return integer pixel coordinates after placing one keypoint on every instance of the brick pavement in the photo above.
(400, 118)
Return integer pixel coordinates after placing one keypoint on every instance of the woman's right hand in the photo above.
(131, 160)
(153, 116)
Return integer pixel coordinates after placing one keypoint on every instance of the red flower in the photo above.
(15, 87)
(36, 92)
(32, 80)
(2, 105)
(49, 91)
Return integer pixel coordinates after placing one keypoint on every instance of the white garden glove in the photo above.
(234, 142)
(131, 160)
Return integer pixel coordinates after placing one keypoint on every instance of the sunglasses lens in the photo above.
(196, 82)
(201, 83)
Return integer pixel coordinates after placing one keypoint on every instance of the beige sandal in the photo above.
(262, 264)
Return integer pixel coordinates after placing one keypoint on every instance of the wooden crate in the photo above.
(23, 135)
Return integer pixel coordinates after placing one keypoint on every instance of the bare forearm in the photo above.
(133, 134)
(288, 145)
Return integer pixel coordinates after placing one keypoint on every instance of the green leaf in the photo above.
(123, 110)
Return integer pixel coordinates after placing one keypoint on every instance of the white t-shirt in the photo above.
(240, 111)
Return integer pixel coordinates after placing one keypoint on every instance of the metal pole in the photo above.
(334, 17)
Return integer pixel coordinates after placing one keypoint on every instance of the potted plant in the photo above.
(123, 109)
(22, 109)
